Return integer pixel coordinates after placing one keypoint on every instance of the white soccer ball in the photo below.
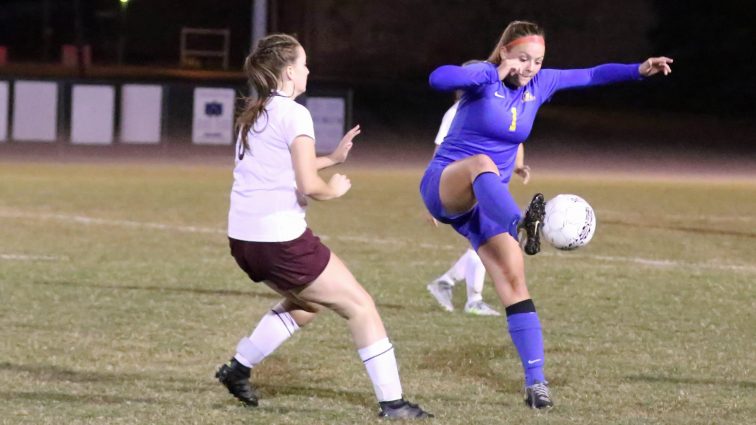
(569, 222)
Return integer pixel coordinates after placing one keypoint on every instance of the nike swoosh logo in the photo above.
(534, 361)
(499, 95)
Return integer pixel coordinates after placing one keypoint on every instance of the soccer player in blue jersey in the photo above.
(468, 267)
(466, 183)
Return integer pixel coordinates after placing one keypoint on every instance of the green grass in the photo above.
(118, 298)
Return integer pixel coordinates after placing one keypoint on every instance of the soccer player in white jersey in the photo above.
(276, 172)
(469, 266)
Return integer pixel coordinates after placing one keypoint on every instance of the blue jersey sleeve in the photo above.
(452, 77)
(553, 80)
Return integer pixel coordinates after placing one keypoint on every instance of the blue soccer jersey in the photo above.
(494, 119)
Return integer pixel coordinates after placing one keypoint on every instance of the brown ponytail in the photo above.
(513, 31)
(263, 68)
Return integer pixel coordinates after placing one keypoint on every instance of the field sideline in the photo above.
(119, 299)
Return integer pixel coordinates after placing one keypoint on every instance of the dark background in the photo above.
(384, 51)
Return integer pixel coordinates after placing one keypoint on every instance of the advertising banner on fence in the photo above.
(35, 111)
(141, 113)
(328, 115)
(3, 111)
(213, 122)
(92, 111)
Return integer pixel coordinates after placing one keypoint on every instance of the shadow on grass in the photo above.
(691, 381)
(356, 398)
(352, 397)
(165, 289)
(476, 361)
(267, 408)
(47, 373)
(277, 377)
(56, 374)
(47, 396)
(398, 307)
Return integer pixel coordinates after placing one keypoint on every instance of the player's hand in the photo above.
(508, 67)
(512, 66)
(524, 173)
(654, 66)
(340, 184)
(341, 152)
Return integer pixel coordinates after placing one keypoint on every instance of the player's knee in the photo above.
(296, 303)
(364, 303)
(303, 318)
(354, 305)
(362, 306)
(301, 311)
(513, 279)
(517, 282)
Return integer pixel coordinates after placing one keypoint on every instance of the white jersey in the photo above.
(446, 123)
(265, 203)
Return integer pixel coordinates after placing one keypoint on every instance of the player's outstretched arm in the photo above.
(606, 74)
(309, 182)
(652, 66)
(341, 152)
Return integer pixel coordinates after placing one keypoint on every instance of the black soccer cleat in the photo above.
(235, 377)
(532, 224)
(538, 396)
(401, 409)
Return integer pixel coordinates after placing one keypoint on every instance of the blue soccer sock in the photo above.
(494, 198)
(525, 330)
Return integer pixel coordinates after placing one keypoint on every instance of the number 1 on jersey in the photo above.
(513, 126)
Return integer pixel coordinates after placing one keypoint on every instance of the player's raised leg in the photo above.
(476, 179)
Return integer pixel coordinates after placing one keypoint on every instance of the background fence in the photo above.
(108, 112)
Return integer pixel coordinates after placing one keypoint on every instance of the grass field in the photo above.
(118, 299)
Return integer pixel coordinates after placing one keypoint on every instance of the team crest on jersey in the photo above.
(527, 96)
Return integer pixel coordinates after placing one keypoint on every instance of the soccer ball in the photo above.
(569, 222)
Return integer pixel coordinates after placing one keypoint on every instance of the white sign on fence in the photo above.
(3, 111)
(92, 109)
(213, 121)
(328, 115)
(141, 113)
(35, 111)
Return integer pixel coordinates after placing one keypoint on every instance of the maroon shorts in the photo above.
(287, 265)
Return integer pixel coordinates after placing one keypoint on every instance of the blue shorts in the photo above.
(475, 224)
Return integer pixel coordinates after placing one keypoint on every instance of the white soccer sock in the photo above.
(457, 271)
(380, 363)
(475, 276)
(275, 327)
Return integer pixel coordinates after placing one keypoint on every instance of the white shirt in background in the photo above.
(446, 121)
(265, 203)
